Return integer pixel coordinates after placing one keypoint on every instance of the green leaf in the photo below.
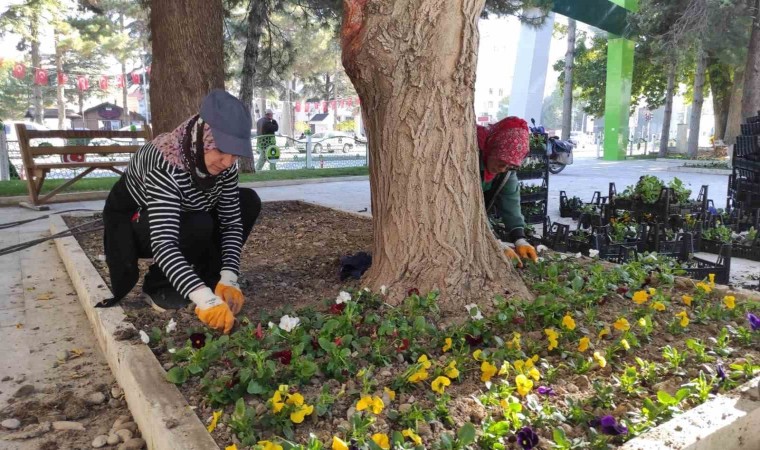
(560, 438)
(499, 429)
(373, 445)
(665, 398)
(682, 394)
(194, 369)
(577, 284)
(446, 442)
(307, 369)
(553, 271)
(176, 375)
(326, 344)
(397, 438)
(466, 434)
(255, 388)
(419, 323)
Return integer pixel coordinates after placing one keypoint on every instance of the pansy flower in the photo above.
(687, 299)
(600, 360)
(447, 345)
(568, 322)
(382, 441)
(439, 384)
(609, 426)
(729, 301)
(527, 438)
(487, 370)
(269, 445)
(524, 385)
(373, 403)
(622, 324)
(409, 433)
(754, 322)
(451, 370)
(544, 390)
(640, 297)
(684, 316)
(198, 340)
(583, 344)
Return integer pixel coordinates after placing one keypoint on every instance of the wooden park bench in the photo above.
(71, 157)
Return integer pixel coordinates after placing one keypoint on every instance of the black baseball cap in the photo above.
(230, 122)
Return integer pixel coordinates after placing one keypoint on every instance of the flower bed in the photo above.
(602, 354)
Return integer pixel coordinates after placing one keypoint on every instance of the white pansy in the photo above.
(593, 253)
(288, 323)
(541, 248)
(579, 255)
(384, 289)
(171, 326)
(271, 325)
(367, 289)
(172, 350)
(343, 297)
(144, 337)
(475, 315)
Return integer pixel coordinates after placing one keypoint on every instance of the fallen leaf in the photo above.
(45, 296)
(19, 326)
(214, 420)
(75, 353)
(77, 375)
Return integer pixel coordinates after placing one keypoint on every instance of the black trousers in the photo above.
(127, 238)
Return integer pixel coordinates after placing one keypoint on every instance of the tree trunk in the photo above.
(670, 93)
(733, 125)
(39, 107)
(257, 17)
(696, 105)
(188, 58)
(413, 65)
(751, 100)
(720, 86)
(567, 104)
(59, 88)
(125, 110)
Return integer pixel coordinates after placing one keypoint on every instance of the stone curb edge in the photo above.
(165, 419)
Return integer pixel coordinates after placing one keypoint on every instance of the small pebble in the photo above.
(96, 398)
(24, 391)
(133, 444)
(20, 378)
(131, 426)
(6, 378)
(168, 366)
(100, 441)
(113, 439)
(66, 425)
(62, 355)
(121, 419)
(10, 424)
(116, 392)
(124, 435)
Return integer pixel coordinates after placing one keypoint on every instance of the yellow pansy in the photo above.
(451, 370)
(382, 441)
(583, 344)
(447, 345)
(624, 343)
(552, 335)
(409, 433)
(234, 447)
(652, 291)
(622, 324)
(368, 402)
(729, 301)
(642, 322)
(269, 445)
(300, 412)
(514, 344)
(534, 373)
(439, 384)
(391, 393)
(418, 376)
(605, 331)
(277, 403)
(600, 360)
(295, 399)
(568, 322)
(519, 365)
(504, 369)
(711, 277)
(684, 316)
(425, 362)
(477, 354)
(529, 362)
(214, 420)
(339, 444)
(687, 299)
(524, 385)
(704, 287)
(487, 370)
(640, 297)
(658, 306)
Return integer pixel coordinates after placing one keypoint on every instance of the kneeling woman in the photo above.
(179, 203)
(503, 147)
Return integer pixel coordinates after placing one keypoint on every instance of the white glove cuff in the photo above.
(204, 298)
(521, 243)
(228, 278)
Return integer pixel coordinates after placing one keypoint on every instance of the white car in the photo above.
(329, 142)
(11, 136)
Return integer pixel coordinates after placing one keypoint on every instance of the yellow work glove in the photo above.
(229, 291)
(525, 250)
(212, 311)
(509, 253)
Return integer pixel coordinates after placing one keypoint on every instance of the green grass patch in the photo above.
(18, 187)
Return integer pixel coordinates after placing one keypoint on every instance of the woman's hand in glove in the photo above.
(229, 291)
(212, 311)
(509, 253)
(525, 250)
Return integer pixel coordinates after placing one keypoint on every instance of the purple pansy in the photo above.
(754, 322)
(527, 438)
(544, 390)
(721, 372)
(608, 425)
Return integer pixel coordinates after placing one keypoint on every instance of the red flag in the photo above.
(332, 104)
(103, 83)
(120, 80)
(350, 102)
(40, 77)
(323, 106)
(298, 106)
(83, 83)
(62, 78)
(342, 103)
(19, 71)
(135, 78)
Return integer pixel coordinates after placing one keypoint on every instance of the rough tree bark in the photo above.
(692, 147)
(733, 125)
(39, 107)
(567, 103)
(413, 64)
(257, 17)
(125, 110)
(188, 58)
(668, 116)
(59, 89)
(751, 100)
(720, 87)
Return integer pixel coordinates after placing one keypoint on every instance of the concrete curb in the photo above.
(165, 419)
(59, 198)
(256, 184)
(700, 170)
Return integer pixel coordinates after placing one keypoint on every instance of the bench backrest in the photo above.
(28, 152)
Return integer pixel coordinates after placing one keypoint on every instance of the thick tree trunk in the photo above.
(751, 100)
(720, 86)
(668, 116)
(188, 58)
(125, 110)
(733, 125)
(413, 65)
(257, 17)
(39, 107)
(692, 147)
(59, 88)
(567, 103)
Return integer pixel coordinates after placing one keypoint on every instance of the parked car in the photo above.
(328, 142)
(10, 134)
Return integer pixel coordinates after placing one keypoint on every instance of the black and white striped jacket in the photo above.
(166, 190)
